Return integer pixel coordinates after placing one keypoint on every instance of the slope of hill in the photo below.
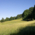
(13, 26)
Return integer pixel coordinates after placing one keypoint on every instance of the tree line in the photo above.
(27, 15)
(11, 18)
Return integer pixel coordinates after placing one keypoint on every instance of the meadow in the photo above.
(13, 26)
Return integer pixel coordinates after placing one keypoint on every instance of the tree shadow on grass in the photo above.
(29, 30)
(26, 20)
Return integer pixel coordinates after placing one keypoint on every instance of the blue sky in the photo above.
(12, 8)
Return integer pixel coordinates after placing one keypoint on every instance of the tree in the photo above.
(29, 15)
(31, 9)
(14, 17)
(2, 20)
(7, 19)
(25, 14)
(11, 18)
(33, 13)
(19, 16)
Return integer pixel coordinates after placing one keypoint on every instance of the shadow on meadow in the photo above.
(29, 30)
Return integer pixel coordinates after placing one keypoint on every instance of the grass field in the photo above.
(13, 26)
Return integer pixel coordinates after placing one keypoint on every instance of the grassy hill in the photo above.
(13, 26)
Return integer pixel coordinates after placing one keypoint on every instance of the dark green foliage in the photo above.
(31, 9)
(29, 14)
(11, 18)
(32, 15)
(2, 20)
(33, 12)
(19, 16)
(29, 30)
(7, 19)
(14, 18)
(28, 18)
(25, 14)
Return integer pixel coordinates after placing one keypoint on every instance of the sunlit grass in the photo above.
(12, 26)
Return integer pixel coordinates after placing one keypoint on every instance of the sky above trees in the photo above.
(10, 8)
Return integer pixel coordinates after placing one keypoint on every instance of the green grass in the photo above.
(12, 26)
